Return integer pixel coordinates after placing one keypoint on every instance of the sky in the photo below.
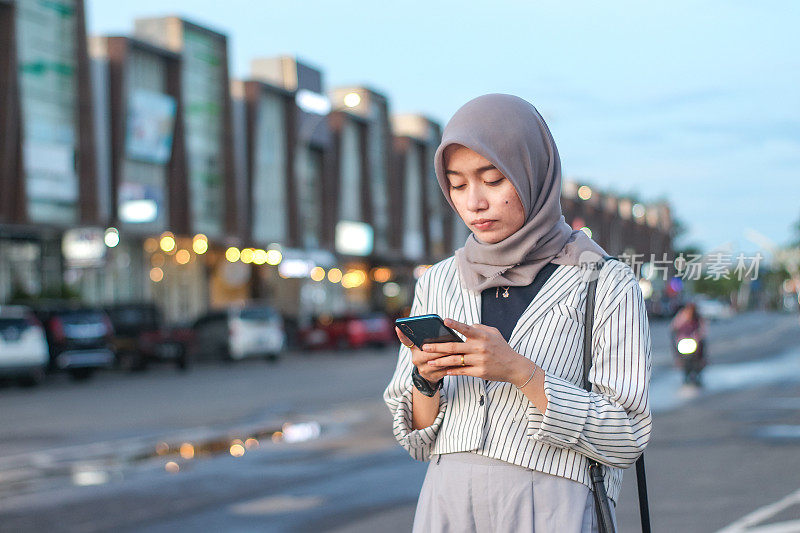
(697, 103)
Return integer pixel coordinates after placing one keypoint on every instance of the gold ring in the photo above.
(462, 360)
(408, 345)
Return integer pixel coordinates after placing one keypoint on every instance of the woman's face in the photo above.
(481, 193)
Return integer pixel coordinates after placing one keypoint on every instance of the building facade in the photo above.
(47, 153)
(132, 168)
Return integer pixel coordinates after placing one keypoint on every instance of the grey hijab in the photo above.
(510, 133)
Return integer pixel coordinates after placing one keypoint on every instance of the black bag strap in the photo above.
(595, 469)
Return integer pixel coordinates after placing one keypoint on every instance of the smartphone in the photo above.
(426, 329)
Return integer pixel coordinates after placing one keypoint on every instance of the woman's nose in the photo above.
(476, 200)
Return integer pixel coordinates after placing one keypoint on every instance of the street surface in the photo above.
(102, 455)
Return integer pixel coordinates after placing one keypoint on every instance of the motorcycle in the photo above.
(690, 358)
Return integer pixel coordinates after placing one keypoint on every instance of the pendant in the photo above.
(505, 292)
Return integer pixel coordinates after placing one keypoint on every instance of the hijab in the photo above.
(509, 132)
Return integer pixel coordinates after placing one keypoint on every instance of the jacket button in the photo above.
(481, 400)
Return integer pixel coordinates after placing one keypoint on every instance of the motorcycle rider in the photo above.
(688, 324)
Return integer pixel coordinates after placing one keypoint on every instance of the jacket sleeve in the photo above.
(611, 424)
(398, 395)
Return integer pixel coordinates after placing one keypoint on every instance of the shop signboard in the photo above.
(83, 247)
(151, 120)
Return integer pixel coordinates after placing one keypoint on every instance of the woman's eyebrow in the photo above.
(478, 170)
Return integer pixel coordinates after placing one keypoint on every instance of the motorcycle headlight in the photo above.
(687, 346)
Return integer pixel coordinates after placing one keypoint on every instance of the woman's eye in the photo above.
(496, 182)
(458, 188)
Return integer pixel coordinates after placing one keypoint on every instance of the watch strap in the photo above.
(423, 385)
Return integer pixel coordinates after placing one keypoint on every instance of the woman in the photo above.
(504, 420)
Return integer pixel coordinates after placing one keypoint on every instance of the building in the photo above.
(139, 171)
(146, 176)
(204, 192)
(47, 153)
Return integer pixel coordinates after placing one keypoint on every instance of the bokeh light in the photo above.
(334, 275)
(274, 257)
(247, 255)
(259, 256)
(187, 450)
(317, 273)
(381, 274)
(156, 274)
(150, 245)
(200, 244)
(182, 257)
(167, 242)
(232, 254)
(111, 237)
(352, 99)
(158, 260)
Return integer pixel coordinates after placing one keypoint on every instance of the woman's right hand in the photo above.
(420, 359)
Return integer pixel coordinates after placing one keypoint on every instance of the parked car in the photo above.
(347, 331)
(372, 329)
(23, 346)
(253, 330)
(713, 309)
(79, 339)
(141, 337)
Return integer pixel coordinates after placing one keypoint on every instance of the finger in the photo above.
(448, 360)
(444, 347)
(405, 340)
(462, 371)
(421, 359)
(459, 327)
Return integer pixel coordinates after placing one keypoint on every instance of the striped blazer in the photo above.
(611, 424)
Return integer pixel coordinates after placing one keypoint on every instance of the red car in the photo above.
(348, 331)
(141, 337)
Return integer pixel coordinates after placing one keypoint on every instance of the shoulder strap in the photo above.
(641, 481)
(588, 322)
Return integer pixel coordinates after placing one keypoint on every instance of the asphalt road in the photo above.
(82, 457)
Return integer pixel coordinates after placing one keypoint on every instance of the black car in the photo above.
(141, 337)
(79, 339)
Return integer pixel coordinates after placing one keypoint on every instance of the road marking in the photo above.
(745, 523)
(783, 527)
(276, 504)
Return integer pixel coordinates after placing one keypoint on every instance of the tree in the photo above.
(796, 237)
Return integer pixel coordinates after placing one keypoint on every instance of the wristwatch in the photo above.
(423, 385)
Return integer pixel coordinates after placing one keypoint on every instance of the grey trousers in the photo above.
(466, 492)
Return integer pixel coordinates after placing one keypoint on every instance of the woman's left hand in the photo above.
(486, 354)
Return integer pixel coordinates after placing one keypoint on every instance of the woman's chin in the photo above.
(489, 236)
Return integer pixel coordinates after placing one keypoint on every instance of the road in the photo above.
(83, 457)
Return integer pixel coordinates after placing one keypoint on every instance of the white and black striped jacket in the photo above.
(611, 424)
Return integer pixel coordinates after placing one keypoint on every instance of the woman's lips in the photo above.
(484, 225)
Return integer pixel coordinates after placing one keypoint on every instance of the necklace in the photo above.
(505, 292)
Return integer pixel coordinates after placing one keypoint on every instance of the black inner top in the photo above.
(503, 313)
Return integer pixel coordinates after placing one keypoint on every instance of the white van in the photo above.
(23, 346)
(253, 330)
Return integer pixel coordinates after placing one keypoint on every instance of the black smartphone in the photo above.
(426, 329)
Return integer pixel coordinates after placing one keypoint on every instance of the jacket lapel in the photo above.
(563, 279)
(471, 303)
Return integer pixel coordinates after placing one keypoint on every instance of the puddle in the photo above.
(667, 391)
(47, 471)
(778, 432)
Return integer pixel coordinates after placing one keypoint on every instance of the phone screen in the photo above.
(426, 329)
